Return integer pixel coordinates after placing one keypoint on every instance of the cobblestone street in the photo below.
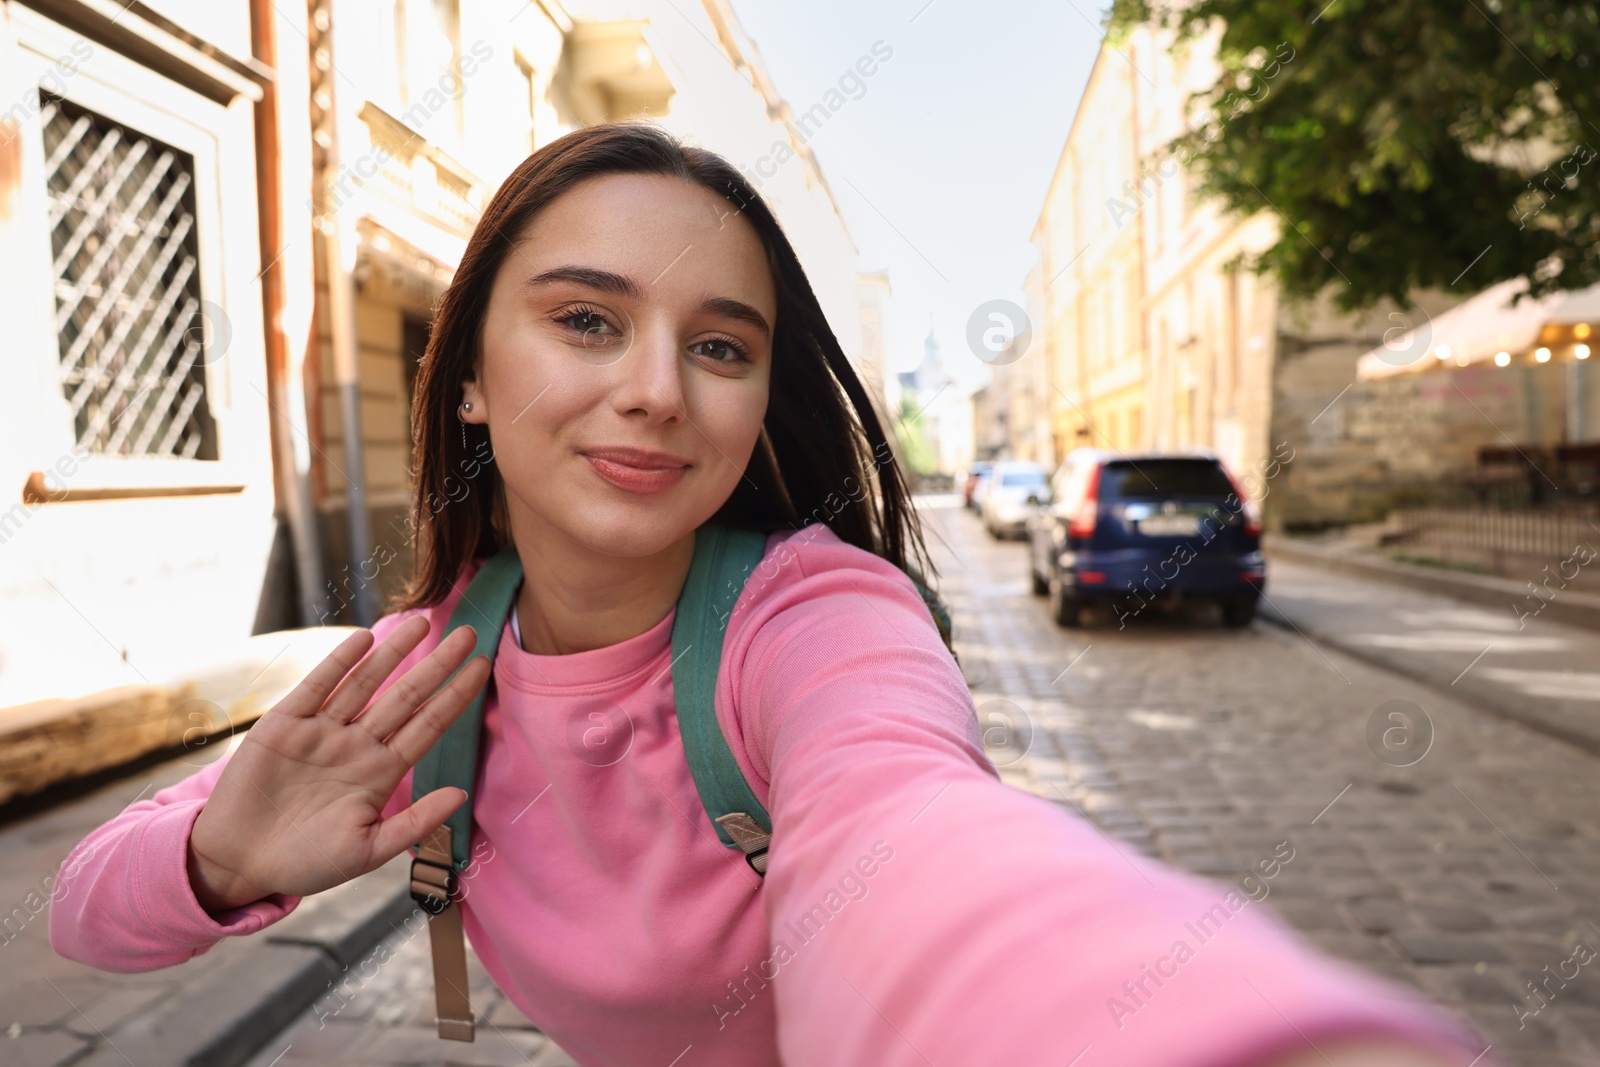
(1466, 874)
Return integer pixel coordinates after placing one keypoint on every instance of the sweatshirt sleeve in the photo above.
(122, 900)
(922, 911)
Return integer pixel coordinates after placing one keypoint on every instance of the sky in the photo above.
(941, 168)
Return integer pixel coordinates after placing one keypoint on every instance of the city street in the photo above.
(1467, 873)
(1280, 325)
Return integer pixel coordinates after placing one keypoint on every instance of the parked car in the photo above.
(1146, 531)
(974, 473)
(980, 488)
(1016, 489)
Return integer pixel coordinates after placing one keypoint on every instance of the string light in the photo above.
(1581, 351)
(1502, 359)
(1542, 354)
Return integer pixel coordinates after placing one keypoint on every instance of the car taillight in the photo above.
(1247, 508)
(1087, 514)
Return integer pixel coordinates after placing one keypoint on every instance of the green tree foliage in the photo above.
(1400, 141)
(920, 454)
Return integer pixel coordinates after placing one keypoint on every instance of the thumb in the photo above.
(405, 828)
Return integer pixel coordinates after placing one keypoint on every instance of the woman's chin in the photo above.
(633, 529)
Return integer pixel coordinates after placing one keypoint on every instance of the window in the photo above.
(133, 333)
(1022, 478)
(1163, 478)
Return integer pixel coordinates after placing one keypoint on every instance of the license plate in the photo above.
(1169, 526)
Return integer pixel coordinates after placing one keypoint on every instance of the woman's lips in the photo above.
(636, 479)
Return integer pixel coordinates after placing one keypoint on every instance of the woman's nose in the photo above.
(650, 376)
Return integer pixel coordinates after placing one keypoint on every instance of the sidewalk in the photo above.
(1533, 670)
(1356, 556)
(216, 1009)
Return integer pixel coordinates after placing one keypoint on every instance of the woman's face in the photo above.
(634, 315)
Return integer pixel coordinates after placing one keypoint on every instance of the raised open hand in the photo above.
(299, 806)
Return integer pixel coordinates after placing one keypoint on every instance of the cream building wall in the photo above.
(121, 560)
(1090, 272)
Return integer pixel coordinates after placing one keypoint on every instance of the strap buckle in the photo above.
(433, 885)
(749, 837)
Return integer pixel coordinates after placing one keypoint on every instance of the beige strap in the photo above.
(432, 881)
(749, 836)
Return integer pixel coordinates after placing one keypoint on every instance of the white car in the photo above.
(1016, 488)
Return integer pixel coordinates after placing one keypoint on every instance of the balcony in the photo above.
(609, 72)
(417, 176)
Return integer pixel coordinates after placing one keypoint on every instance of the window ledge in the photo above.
(125, 479)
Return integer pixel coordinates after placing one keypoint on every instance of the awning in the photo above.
(1486, 329)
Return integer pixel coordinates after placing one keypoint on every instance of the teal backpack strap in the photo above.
(453, 759)
(723, 560)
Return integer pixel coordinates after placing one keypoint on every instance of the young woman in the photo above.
(629, 350)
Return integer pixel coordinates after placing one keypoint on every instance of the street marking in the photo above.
(1331, 803)
(1474, 662)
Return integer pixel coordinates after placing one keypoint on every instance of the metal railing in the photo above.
(1495, 532)
(125, 260)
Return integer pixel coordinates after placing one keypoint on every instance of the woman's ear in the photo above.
(472, 395)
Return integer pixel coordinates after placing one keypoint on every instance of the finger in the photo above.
(420, 731)
(305, 699)
(406, 828)
(354, 692)
(390, 711)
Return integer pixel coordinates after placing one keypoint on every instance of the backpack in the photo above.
(723, 559)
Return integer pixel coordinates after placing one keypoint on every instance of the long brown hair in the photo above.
(823, 455)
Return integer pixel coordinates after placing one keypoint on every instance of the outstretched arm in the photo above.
(924, 913)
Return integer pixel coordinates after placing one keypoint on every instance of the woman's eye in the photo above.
(718, 350)
(591, 324)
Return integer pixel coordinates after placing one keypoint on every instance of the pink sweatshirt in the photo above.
(916, 912)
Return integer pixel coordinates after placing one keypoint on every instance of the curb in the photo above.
(1572, 609)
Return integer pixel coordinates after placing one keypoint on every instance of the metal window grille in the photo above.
(129, 319)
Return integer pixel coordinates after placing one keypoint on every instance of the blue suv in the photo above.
(1136, 532)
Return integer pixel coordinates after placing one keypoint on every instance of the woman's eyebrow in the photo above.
(737, 309)
(593, 277)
